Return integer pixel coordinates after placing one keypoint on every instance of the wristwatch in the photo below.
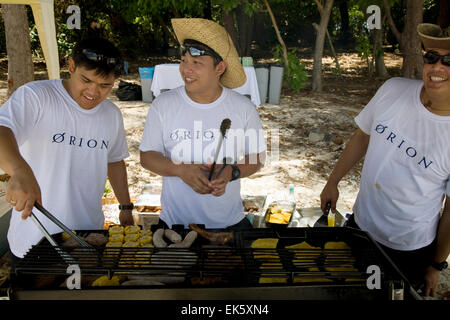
(236, 173)
(126, 206)
(439, 266)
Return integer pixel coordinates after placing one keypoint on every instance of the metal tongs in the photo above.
(48, 236)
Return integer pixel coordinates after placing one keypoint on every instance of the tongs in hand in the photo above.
(59, 224)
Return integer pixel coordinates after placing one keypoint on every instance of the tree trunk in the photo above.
(228, 21)
(18, 47)
(245, 26)
(378, 54)
(325, 12)
(444, 14)
(346, 34)
(409, 39)
(411, 48)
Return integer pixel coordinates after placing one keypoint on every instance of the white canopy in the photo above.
(44, 18)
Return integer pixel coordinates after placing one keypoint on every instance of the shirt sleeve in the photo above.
(119, 150)
(21, 113)
(152, 137)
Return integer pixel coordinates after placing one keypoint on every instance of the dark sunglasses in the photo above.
(432, 57)
(195, 52)
(93, 56)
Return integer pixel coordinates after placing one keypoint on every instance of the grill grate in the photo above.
(239, 265)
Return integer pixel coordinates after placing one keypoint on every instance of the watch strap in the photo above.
(126, 206)
(439, 265)
(236, 173)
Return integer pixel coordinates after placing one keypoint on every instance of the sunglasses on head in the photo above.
(195, 52)
(93, 56)
(432, 57)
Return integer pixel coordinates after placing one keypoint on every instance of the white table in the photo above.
(167, 76)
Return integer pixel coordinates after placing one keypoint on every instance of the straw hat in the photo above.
(217, 38)
(433, 36)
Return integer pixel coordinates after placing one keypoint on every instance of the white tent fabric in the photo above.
(44, 18)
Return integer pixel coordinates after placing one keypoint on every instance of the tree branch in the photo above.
(319, 6)
(391, 22)
(277, 31)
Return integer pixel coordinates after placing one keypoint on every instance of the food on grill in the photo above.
(145, 240)
(270, 278)
(132, 230)
(265, 243)
(172, 236)
(104, 281)
(302, 245)
(72, 243)
(96, 239)
(114, 244)
(115, 237)
(158, 240)
(213, 237)
(147, 245)
(65, 236)
(131, 237)
(131, 244)
(145, 232)
(187, 241)
(115, 229)
(336, 245)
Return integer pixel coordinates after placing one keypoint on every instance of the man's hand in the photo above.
(126, 218)
(219, 183)
(431, 281)
(22, 191)
(330, 193)
(195, 175)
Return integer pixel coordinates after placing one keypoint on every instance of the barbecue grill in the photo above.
(235, 271)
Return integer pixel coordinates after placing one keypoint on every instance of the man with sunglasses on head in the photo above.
(181, 133)
(59, 141)
(404, 134)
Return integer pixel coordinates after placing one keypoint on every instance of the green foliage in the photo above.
(296, 74)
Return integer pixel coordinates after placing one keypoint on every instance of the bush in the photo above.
(296, 75)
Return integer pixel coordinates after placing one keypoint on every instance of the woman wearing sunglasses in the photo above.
(181, 133)
(404, 134)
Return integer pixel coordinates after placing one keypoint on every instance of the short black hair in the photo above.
(99, 54)
(216, 57)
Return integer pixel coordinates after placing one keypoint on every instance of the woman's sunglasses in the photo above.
(432, 57)
(195, 52)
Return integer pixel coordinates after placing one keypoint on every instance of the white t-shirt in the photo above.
(68, 148)
(186, 131)
(407, 166)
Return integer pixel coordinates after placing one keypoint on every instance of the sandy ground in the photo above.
(298, 117)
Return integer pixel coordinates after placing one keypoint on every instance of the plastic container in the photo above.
(146, 74)
(275, 82)
(262, 78)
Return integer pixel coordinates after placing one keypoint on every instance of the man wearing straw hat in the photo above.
(181, 133)
(404, 134)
